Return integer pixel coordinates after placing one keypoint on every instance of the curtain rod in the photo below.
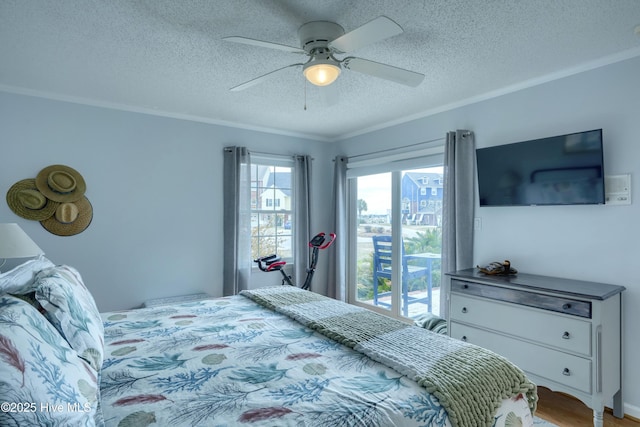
(395, 148)
(271, 154)
(279, 155)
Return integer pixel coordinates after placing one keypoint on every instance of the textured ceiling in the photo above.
(168, 56)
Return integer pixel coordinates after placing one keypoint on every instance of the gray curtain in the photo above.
(458, 208)
(337, 286)
(302, 217)
(236, 220)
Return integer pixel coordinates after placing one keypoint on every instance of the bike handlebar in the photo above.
(269, 262)
(318, 241)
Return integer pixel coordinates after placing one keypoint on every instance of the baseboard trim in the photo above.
(632, 412)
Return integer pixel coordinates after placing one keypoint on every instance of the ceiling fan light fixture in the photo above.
(321, 72)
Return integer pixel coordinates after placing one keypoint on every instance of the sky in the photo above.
(376, 190)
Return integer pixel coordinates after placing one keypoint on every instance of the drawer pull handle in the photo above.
(566, 335)
(566, 372)
(566, 306)
(464, 309)
(464, 338)
(465, 286)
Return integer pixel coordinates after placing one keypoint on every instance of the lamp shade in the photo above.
(14, 243)
(321, 72)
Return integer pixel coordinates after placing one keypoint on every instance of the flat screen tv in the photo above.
(559, 170)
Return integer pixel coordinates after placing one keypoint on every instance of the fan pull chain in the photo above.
(305, 94)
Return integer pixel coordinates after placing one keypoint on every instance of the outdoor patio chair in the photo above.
(418, 268)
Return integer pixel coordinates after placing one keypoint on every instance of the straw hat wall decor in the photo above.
(70, 218)
(26, 201)
(55, 198)
(61, 183)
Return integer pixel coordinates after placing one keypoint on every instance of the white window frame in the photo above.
(275, 208)
(430, 156)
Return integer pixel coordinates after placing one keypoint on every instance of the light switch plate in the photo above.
(617, 189)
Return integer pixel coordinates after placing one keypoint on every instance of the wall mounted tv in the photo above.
(560, 170)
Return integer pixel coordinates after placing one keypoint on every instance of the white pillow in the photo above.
(20, 279)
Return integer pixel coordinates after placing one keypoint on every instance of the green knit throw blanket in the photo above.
(469, 381)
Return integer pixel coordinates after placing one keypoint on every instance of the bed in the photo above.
(277, 356)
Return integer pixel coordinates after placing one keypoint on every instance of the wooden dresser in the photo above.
(565, 334)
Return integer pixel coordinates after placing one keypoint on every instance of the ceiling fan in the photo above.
(321, 41)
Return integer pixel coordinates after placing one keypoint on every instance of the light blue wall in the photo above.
(597, 243)
(155, 184)
(156, 188)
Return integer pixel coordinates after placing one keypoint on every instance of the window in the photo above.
(396, 237)
(271, 207)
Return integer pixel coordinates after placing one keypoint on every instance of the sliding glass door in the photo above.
(374, 218)
(396, 234)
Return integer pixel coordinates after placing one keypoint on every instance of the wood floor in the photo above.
(566, 411)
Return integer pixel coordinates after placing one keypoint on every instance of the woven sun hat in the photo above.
(61, 183)
(70, 218)
(26, 201)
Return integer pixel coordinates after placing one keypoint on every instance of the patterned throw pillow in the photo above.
(69, 306)
(42, 381)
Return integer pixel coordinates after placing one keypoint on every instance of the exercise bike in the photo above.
(275, 263)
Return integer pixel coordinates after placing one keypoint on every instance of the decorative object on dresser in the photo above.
(498, 268)
(565, 334)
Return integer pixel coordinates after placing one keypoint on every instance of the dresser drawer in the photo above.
(569, 370)
(560, 304)
(561, 331)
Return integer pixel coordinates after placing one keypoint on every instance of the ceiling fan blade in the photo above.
(383, 71)
(260, 43)
(260, 79)
(373, 31)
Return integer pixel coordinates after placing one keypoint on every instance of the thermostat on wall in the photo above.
(617, 189)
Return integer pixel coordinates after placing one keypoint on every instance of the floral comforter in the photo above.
(229, 362)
